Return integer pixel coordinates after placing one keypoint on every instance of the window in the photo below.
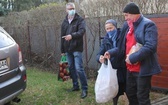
(5, 40)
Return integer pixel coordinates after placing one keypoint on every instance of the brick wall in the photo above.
(161, 80)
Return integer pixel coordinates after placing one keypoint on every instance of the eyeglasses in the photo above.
(70, 8)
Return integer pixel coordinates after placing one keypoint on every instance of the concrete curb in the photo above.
(161, 101)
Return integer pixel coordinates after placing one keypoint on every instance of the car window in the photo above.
(5, 40)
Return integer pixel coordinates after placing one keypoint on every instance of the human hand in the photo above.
(67, 37)
(127, 60)
(62, 54)
(101, 59)
(107, 55)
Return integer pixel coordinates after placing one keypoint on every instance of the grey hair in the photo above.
(71, 4)
(112, 22)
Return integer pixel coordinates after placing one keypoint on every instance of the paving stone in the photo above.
(161, 101)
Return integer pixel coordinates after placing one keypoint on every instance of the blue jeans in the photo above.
(138, 89)
(76, 69)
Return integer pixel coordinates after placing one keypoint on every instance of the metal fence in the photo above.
(41, 44)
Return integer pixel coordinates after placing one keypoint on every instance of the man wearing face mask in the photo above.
(142, 63)
(109, 50)
(72, 31)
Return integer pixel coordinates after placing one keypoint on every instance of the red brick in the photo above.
(162, 62)
(160, 85)
(162, 25)
(163, 43)
(163, 32)
(163, 20)
(164, 68)
(162, 57)
(162, 50)
(161, 80)
(162, 37)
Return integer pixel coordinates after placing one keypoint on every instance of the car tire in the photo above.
(9, 103)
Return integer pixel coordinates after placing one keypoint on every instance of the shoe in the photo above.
(84, 94)
(73, 89)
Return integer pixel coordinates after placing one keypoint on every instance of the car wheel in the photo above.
(9, 103)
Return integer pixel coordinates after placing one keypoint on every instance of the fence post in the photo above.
(86, 53)
(29, 42)
(99, 31)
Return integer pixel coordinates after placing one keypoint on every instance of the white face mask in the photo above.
(71, 12)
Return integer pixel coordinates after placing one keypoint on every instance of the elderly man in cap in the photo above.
(138, 46)
(109, 50)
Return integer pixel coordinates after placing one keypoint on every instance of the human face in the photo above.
(109, 27)
(69, 7)
(131, 17)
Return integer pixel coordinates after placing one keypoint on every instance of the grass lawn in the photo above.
(43, 88)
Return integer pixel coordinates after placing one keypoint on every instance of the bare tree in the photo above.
(97, 8)
(42, 24)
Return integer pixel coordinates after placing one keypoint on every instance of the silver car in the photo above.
(12, 71)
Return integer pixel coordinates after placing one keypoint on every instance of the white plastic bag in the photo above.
(106, 86)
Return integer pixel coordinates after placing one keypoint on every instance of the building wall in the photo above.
(161, 80)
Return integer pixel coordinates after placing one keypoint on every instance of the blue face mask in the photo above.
(112, 33)
(71, 12)
(113, 36)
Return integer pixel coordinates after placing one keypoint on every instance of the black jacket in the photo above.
(77, 29)
(108, 45)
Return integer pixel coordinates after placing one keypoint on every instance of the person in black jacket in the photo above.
(72, 31)
(109, 50)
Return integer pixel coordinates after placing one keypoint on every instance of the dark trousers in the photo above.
(138, 89)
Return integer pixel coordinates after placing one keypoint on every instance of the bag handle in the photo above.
(63, 58)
